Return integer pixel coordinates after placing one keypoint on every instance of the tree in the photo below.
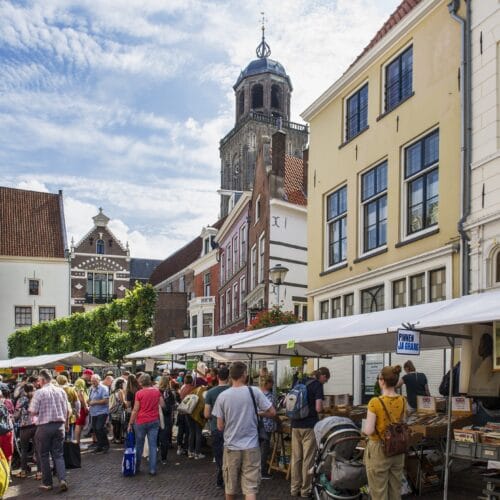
(99, 332)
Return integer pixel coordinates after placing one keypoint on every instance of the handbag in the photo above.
(129, 459)
(72, 457)
(348, 475)
(396, 437)
(261, 431)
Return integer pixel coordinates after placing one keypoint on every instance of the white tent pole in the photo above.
(448, 428)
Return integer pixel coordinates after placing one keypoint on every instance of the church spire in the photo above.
(263, 50)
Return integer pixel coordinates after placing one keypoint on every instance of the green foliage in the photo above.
(109, 332)
(272, 317)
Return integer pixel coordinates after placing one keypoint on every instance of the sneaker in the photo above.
(63, 486)
(190, 455)
(164, 462)
(199, 456)
(179, 451)
(265, 475)
(45, 487)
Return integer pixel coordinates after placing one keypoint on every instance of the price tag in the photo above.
(460, 404)
(76, 368)
(296, 361)
(426, 404)
(290, 344)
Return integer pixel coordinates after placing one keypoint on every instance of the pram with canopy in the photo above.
(338, 470)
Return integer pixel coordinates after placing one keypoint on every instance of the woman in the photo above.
(81, 420)
(182, 421)
(130, 392)
(165, 434)
(116, 410)
(196, 421)
(145, 420)
(27, 427)
(416, 384)
(384, 473)
(74, 402)
(270, 424)
(6, 424)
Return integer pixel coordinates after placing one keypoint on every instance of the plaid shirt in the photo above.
(49, 404)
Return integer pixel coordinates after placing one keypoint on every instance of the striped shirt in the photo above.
(49, 404)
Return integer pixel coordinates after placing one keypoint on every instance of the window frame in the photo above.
(253, 266)
(336, 219)
(398, 57)
(23, 311)
(243, 242)
(262, 257)
(376, 198)
(236, 306)
(258, 210)
(204, 323)
(355, 94)
(378, 288)
(242, 293)
(47, 310)
(206, 284)
(99, 246)
(32, 291)
(430, 273)
(324, 309)
(228, 306)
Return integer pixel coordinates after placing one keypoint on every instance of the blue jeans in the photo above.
(218, 450)
(149, 429)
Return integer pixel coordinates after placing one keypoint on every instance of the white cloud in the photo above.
(32, 185)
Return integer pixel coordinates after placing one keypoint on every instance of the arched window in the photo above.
(275, 97)
(99, 247)
(497, 268)
(241, 103)
(257, 96)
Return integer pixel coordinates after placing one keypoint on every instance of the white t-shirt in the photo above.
(235, 407)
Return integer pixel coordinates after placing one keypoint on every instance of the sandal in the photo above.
(38, 476)
(20, 474)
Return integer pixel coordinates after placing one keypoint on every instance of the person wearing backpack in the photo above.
(384, 472)
(165, 434)
(182, 421)
(304, 402)
(116, 410)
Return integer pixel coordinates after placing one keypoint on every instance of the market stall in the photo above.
(67, 359)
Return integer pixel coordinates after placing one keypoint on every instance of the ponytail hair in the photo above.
(390, 374)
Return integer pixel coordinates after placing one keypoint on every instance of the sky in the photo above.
(121, 104)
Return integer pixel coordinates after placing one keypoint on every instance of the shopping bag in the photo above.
(72, 457)
(129, 459)
(4, 474)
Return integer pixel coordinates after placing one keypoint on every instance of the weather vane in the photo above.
(263, 50)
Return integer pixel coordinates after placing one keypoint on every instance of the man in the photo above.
(86, 376)
(99, 410)
(236, 417)
(303, 440)
(50, 407)
(217, 436)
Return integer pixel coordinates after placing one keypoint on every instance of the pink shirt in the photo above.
(149, 401)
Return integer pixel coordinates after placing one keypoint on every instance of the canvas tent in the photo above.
(80, 358)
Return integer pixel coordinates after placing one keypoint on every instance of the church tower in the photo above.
(262, 106)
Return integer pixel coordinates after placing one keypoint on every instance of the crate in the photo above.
(487, 452)
(466, 435)
(466, 450)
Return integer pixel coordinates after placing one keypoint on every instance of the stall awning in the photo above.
(160, 351)
(374, 332)
(80, 358)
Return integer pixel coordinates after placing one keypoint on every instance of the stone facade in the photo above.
(100, 267)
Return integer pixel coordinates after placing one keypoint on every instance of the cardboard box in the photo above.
(466, 435)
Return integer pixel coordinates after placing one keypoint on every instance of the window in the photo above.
(253, 268)
(168, 288)
(336, 307)
(182, 284)
(300, 310)
(236, 264)
(229, 267)
(398, 79)
(357, 113)
(243, 284)
(421, 177)
(228, 306)
(497, 274)
(207, 324)
(323, 309)
(34, 287)
(222, 268)
(349, 304)
(222, 310)
(99, 247)
(437, 285)
(236, 306)
(23, 316)
(336, 217)
(206, 246)
(275, 97)
(257, 96)
(194, 326)
(374, 201)
(304, 313)
(243, 245)
(100, 285)
(417, 289)
(372, 299)
(46, 313)
(399, 293)
(257, 210)
(241, 103)
(262, 249)
(206, 284)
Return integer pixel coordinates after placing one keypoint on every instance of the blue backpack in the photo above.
(129, 459)
(296, 404)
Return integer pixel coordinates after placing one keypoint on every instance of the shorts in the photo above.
(244, 464)
(7, 444)
(82, 417)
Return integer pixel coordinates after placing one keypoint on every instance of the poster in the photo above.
(373, 365)
(484, 381)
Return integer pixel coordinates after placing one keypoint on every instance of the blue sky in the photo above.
(122, 103)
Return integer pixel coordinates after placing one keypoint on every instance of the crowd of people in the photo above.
(45, 411)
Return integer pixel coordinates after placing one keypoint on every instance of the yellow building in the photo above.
(384, 192)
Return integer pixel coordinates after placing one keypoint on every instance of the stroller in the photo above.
(338, 470)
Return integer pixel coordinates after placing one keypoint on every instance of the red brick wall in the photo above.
(170, 316)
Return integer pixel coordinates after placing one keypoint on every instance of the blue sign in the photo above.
(408, 342)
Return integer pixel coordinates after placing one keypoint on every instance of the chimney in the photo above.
(305, 169)
(278, 152)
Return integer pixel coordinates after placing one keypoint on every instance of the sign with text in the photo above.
(296, 361)
(426, 404)
(408, 342)
(460, 404)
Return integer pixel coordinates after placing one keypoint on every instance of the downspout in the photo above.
(465, 134)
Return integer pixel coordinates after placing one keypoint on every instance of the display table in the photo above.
(281, 446)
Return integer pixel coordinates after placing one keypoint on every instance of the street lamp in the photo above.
(277, 275)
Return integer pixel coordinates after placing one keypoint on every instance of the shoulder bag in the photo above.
(261, 432)
(396, 437)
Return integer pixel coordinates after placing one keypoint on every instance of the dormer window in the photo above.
(206, 246)
(99, 247)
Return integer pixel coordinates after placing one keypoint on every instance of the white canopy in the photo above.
(80, 358)
(374, 332)
(160, 351)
